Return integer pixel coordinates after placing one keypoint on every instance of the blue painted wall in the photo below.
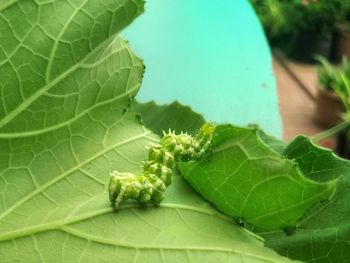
(210, 55)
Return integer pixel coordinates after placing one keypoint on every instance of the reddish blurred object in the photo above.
(330, 143)
(342, 45)
(328, 109)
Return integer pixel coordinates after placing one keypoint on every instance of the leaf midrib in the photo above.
(6, 4)
(10, 116)
(66, 123)
(163, 247)
(63, 225)
(79, 218)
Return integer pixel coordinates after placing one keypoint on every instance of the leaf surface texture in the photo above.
(246, 179)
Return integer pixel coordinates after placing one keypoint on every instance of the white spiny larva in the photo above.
(150, 185)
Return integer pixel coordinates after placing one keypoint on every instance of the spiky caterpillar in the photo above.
(150, 185)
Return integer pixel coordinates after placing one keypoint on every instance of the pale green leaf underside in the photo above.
(48, 143)
(245, 179)
(65, 124)
(58, 58)
(183, 229)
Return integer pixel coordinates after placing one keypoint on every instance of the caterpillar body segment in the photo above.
(164, 173)
(143, 188)
(158, 170)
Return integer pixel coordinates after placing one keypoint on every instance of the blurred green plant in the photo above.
(271, 15)
(345, 25)
(281, 17)
(337, 79)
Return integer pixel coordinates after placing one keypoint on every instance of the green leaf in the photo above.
(175, 116)
(183, 229)
(65, 124)
(58, 58)
(272, 142)
(64, 109)
(245, 179)
(324, 234)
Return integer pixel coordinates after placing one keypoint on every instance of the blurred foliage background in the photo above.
(294, 25)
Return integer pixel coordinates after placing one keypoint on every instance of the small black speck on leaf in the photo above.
(290, 230)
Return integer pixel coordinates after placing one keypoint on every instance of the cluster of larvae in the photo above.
(158, 170)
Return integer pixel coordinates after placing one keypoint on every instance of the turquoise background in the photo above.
(210, 55)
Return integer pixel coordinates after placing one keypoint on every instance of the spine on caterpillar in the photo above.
(158, 170)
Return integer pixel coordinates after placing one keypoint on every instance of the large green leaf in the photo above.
(246, 179)
(324, 234)
(62, 116)
(65, 123)
(183, 229)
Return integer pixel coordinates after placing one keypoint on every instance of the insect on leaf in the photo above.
(65, 123)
